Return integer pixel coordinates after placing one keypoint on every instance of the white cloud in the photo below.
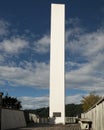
(4, 28)
(89, 46)
(73, 21)
(37, 75)
(43, 101)
(76, 99)
(88, 76)
(34, 102)
(1, 58)
(42, 45)
(13, 46)
(84, 79)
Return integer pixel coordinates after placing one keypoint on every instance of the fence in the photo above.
(36, 119)
(71, 120)
(96, 115)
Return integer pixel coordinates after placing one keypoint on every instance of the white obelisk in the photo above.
(57, 60)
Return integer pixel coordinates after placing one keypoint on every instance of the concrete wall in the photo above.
(12, 119)
(96, 115)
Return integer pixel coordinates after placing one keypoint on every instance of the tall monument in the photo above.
(57, 60)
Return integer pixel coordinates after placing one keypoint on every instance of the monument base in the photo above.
(55, 120)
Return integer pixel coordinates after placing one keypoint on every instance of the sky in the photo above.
(25, 49)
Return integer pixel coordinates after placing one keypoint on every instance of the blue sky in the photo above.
(25, 49)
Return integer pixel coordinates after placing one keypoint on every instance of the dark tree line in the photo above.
(11, 102)
(71, 110)
(41, 112)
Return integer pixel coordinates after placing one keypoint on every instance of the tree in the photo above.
(89, 101)
(73, 110)
(11, 102)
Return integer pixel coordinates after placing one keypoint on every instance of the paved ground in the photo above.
(52, 127)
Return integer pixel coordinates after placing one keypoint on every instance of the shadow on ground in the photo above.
(50, 127)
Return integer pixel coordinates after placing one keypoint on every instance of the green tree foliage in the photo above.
(11, 102)
(73, 110)
(43, 112)
(89, 101)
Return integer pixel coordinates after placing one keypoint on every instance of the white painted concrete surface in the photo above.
(12, 119)
(57, 80)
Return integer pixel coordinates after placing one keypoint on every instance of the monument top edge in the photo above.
(58, 4)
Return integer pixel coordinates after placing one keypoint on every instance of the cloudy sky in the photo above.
(25, 49)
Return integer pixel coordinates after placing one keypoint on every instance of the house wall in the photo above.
(96, 115)
(12, 119)
(34, 118)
